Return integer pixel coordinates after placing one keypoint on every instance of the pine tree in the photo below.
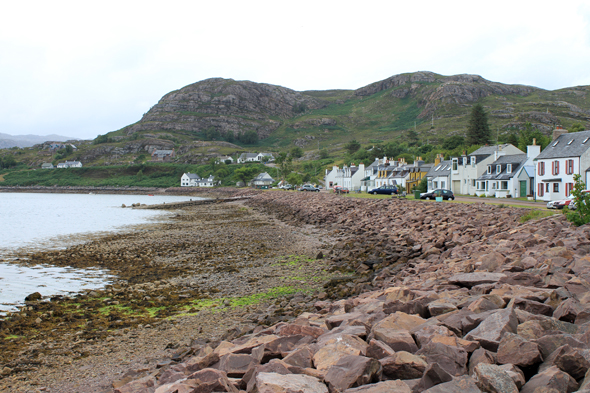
(478, 130)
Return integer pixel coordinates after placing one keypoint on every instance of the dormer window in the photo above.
(489, 169)
(473, 161)
(498, 168)
(464, 161)
(509, 168)
(455, 164)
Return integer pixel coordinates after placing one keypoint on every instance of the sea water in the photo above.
(36, 221)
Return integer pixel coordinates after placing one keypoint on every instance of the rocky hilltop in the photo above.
(227, 105)
(394, 104)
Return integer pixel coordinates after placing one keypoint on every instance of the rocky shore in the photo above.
(360, 296)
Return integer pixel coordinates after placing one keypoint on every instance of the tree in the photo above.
(581, 215)
(295, 179)
(576, 127)
(296, 152)
(453, 142)
(423, 185)
(478, 129)
(324, 154)
(69, 149)
(352, 146)
(527, 134)
(249, 137)
(283, 162)
(412, 138)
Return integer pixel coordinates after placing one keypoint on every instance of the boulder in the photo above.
(352, 371)
(514, 349)
(292, 383)
(382, 387)
(463, 384)
(492, 378)
(452, 359)
(567, 359)
(552, 378)
(472, 279)
(433, 375)
(403, 365)
(481, 355)
(210, 380)
(489, 333)
(378, 349)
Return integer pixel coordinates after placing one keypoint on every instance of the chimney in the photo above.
(438, 159)
(558, 131)
(533, 150)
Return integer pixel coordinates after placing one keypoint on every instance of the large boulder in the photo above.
(489, 333)
(292, 383)
(352, 371)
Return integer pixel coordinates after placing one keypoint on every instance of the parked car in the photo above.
(340, 190)
(386, 190)
(309, 187)
(572, 205)
(286, 187)
(560, 203)
(445, 194)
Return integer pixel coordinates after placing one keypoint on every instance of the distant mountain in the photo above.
(8, 141)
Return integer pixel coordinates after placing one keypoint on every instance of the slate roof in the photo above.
(517, 160)
(572, 144)
(442, 169)
(193, 176)
(263, 177)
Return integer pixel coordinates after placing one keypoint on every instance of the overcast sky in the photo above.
(79, 68)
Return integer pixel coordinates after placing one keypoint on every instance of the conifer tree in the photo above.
(478, 129)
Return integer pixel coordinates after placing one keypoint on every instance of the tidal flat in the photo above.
(212, 271)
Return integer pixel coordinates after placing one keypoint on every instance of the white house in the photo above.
(265, 157)
(70, 164)
(223, 160)
(567, 155)
(189, 180)
(247, 157)
(208, 182)
(465, 170)
(439, 175)
(352, 176)
(509, 175)
(263, 180)
(47, 165)
(335, 177)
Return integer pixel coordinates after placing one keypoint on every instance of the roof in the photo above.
(263, 177)
(442, 169)
(193, 176)
(248, 155)
(488, 150)
(572, 144)
(516, 160)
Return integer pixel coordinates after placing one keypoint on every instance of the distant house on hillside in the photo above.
(263, 180)
(224, 160)
(194, 180)
(70, 164)
(163, 155)
(247, 157)
(47, 165)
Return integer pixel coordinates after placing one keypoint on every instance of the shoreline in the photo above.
(170, 294)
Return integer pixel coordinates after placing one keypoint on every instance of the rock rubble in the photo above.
(447, 298)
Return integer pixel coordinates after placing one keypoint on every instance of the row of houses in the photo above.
(497, 171)
(263, 180)
(67, 164)
(255, 157)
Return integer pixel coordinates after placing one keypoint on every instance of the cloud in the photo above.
(89, 68)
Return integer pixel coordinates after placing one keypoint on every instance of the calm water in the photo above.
(45, 221)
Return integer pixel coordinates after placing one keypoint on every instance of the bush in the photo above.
(581, 215)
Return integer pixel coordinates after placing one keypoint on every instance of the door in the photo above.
(523, 192)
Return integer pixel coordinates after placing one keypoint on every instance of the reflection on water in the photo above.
(37, 221)
(16, 282)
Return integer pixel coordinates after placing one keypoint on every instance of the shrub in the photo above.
(581, 215)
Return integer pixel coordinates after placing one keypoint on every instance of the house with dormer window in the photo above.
(465, 170)
(567, 155)
(509, 175)
(439, 175)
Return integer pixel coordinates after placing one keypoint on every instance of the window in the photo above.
(455, 164)
(555, 187)
(473, 182)
(435, 184)
(464, 161)
(555, 167)
(547, 187)
(585, 140)
(472, 161)
(541, 168)
(498, 168)
(508, 168)
(555, 144)
(442, 184)
(493, 185)
(504, 185)
(568, 188)
(489, 169)
(541, 189)
(569, 167)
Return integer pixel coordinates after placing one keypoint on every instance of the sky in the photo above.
(80, 69)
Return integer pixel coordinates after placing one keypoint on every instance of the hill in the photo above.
(223, 116)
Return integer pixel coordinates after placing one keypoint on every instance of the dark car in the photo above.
(445, 194)
(340, 190)
(309, 187)
(386, 190)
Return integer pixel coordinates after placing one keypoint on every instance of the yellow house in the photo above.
(417, 173)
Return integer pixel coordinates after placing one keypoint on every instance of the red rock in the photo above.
(382, 387)
(403, 365)
(210, 380)
(514, 349)
(491, 330)
(552, 378)
(450, 358)
(143, 385)
(278, 383)
(491, 378)
(352, 371)
(378, 349)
